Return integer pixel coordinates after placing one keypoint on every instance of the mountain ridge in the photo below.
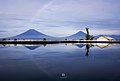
(76, 36)
(34, 34)
(112, 36)
(31, 34)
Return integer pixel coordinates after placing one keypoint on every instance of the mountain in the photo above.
(78, 35)
(32, 34)
(112, 36)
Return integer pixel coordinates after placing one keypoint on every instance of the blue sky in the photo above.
(59, 17)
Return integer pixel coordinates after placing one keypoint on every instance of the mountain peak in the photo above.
(80, 32)
(32, 34)
(78, 35)
(32, 30)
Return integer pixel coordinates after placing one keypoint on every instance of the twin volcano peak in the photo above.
(34, 34)
(80, 32)
(31, 31)
(31, 34)
(76, 36)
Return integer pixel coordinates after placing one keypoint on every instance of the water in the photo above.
(60, 62)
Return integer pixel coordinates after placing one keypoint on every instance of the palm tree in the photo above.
(88, 36)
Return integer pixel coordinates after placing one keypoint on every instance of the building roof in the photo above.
(105, 37)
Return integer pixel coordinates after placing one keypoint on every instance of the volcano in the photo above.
(32, 34)
(76, 36)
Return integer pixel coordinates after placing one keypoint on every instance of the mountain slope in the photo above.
(32, 34)
(78, 35)
(112, 36)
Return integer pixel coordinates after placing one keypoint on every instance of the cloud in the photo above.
(100, 31)
(2, 31)
(60, 31)
(52, 16)
(82, 10)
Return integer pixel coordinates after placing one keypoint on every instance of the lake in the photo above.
(60, 62)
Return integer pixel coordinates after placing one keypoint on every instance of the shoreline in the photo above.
(55, 42)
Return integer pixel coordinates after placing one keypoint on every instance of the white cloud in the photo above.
(60, 31)
(109, 31)
(59, 17)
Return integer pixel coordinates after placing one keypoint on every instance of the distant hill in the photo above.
(77, 36)
(32, 34)
(112, 36)
(35, 35)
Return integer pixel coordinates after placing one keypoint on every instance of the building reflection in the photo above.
(103, 45)
(87, 46)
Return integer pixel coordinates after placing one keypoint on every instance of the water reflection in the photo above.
(63, 76)
(86, 46)
(103, 45)
(79, 45)
(59, 62)
(32, 47)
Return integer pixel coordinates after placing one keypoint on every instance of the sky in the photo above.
(59, 17)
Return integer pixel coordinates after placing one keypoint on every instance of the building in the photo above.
(104, 38)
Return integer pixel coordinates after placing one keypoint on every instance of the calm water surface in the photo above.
(60, 62)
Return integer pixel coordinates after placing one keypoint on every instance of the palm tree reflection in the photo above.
(87, 47)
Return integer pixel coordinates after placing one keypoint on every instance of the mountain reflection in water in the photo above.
(60, 62)
(87, 46)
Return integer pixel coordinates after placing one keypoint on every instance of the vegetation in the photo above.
(15, 39)
(88, 36)
(4, 39)
(44, 39)
(88, 46)
(66, 39)
(81, 39)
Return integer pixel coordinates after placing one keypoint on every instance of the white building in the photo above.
(104, 38)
